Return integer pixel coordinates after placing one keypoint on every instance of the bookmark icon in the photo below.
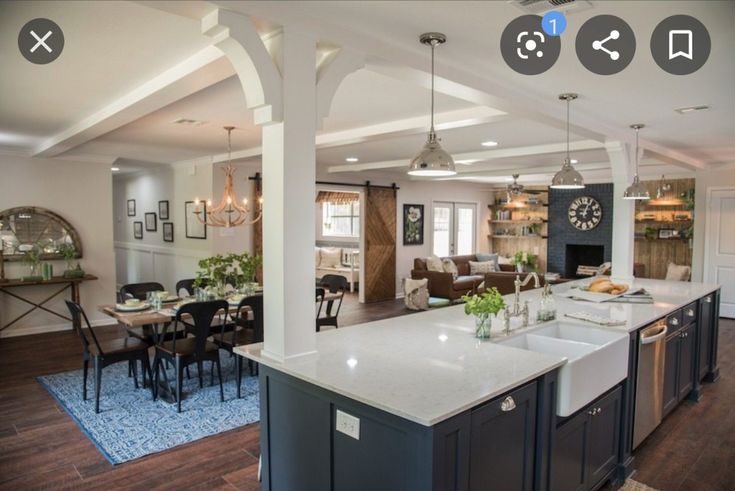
(679, 36)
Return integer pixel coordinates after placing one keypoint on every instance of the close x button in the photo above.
(41, 41)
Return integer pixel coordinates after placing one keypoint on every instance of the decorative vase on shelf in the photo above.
(520, 268)
(482, 326)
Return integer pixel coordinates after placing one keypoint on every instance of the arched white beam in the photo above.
(236, 36)
(330, 74)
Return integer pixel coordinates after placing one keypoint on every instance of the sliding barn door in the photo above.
(380, 245)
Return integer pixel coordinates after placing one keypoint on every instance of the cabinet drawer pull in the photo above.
(599, 410)
(508, 404)
(674, 321)
(591, 412)
(690, 313)
(708, 299)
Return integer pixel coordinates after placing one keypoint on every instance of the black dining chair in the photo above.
(197, 349)
(319, 296)
(334, 284)
(105, 353)
(188, 286)
(247, 332)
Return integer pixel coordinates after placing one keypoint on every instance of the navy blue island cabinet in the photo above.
(501, 444)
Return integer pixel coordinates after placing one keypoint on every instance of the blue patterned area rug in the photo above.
(130, 424)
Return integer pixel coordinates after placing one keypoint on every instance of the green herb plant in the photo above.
(490, 302)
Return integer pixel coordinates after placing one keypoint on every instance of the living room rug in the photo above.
(130, 424)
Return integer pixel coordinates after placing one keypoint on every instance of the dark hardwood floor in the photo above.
(42, 448)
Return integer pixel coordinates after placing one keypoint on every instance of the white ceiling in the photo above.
(133, 43)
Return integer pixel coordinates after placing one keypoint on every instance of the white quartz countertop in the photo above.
(428, 367)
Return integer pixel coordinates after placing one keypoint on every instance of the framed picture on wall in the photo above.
(168, 232)
(413, 224)
(194, 228)
(163, 210)
(151, 225)
(138, 230)
(131, 207)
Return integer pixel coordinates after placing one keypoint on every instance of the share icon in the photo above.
(600, 45)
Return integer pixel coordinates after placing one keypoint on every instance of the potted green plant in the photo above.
(523, 259)
(214, 270)
(32, 258)
(248, 265)
(483, 306)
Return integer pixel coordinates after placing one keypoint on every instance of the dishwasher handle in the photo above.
(654, 333)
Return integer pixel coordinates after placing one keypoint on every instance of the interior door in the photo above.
(454, 228)
(720, 243)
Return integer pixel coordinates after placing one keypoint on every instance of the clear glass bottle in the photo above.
(547, 309)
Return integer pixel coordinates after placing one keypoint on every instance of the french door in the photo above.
(454, 228)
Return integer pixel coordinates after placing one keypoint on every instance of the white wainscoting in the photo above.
(136, 263)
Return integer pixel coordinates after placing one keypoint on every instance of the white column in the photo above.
(289, 188)
(623, 241)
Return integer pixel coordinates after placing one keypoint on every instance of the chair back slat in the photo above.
(202, 314)
(77, 313)
(188, 285)
(139, 290)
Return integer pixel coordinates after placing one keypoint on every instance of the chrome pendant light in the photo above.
(433, 160)
(637, 190)
(663, 188)
(567, 177)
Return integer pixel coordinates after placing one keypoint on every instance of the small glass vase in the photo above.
(482, 326)
(520, 268)
(33, 270)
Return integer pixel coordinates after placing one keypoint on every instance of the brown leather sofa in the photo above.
(444, 285)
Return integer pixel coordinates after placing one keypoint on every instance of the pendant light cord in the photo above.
(433, 44)
(229, 146)
(568, 159)
(636, 151)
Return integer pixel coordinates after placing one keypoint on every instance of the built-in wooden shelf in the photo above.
(518, 221)
(664, 221)
(519, 207)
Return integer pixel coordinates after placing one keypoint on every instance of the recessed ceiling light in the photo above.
(489, 143)
(574, 161)
(466, 161)
(691, 109)
(115, 169)
(352, 159)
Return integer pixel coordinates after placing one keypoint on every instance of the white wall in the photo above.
(152, 259)
(81, 193)
(705, 180)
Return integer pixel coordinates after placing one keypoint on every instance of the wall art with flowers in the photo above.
(413, 224)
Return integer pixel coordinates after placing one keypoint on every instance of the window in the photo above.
(341, 219)
(454, 228)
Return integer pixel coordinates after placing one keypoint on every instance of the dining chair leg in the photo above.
(130, 368)
(221, 388)
(84, 379)
(135, 373)
(200, 369)
(179, 376)
(211, 373)
(97, 383)
(238, 369)
(147, 370)
(156, 374)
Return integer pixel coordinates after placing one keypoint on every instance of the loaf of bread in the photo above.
(603, 284)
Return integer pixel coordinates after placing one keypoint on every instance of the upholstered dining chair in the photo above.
(247, 332)
(334, 284)
(197, 349)
(105, 353)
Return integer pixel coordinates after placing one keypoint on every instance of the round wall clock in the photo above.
(585, 213)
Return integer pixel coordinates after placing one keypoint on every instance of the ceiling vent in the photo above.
(542, 6)
(692, 109)
(188, 122)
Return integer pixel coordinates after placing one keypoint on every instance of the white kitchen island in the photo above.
(417, 402)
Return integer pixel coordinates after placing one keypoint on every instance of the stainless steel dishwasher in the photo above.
(649, 380)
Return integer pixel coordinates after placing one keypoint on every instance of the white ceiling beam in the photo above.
(480, 156)
(197, 72)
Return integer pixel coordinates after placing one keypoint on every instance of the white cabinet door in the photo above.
(720, 247)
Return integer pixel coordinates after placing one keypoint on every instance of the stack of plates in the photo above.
(121, 307)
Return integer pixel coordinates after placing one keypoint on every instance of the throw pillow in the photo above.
(450, 267)
(678, 273)
(416, 293)
(503, 260)
(433, 263)
(485, 256)
(331, 257)
(317, 256)
(481, 267)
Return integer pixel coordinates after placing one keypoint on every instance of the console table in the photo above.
(62, 284)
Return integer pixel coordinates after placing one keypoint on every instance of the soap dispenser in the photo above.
(547, 309)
